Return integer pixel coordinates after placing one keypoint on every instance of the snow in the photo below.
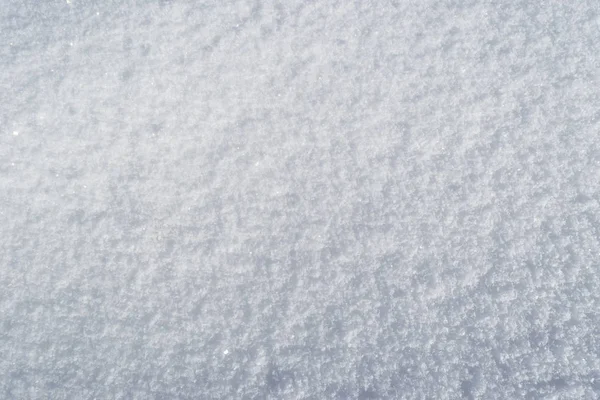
(300, 199)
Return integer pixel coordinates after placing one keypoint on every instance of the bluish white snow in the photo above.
(303, 199)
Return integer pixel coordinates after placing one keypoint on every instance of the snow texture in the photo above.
(309, 199)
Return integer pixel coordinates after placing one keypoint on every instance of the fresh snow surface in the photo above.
(264, 199)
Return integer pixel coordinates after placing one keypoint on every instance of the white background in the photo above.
(299, 199)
